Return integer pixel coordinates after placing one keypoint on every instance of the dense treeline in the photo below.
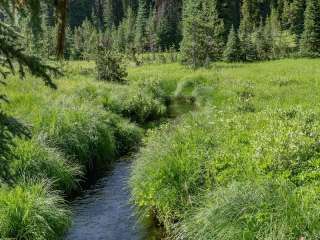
(204, 30)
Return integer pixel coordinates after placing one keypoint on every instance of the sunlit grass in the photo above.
(257, 122)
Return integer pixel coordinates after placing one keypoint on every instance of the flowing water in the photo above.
(104, 212)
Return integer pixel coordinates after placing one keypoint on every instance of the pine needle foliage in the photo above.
(232, 52)
(310, 41)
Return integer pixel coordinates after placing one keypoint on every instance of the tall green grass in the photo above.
(250, 210)
(258, 123)
(32, 211)
(34, 160)
(73, 135)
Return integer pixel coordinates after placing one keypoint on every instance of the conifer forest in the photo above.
(159, 119)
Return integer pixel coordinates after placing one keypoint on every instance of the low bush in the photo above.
(141, 102)
(288, 147)
(110, 66)
(32, 211)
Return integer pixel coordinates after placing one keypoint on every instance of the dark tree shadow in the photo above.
(9, 129)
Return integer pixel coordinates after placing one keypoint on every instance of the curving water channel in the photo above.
(104, 212)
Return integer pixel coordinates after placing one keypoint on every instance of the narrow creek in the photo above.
(104, 212)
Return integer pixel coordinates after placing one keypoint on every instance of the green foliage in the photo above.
(9, 128)
(267, 210)
(33, 160)
(245, 165)
(110, 66)
(141, 23)
(232, 52)
(127, 135)
(181, 163)
(310, 40)
(202, 33)
(85, 41)
(141, 102)
(32, 211)
(168, 26)
(263, 43)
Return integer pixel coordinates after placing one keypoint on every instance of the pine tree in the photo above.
(202, 33)
(297, 8)
(141, 23)
(151, 32)
(245, 32)
(108, 14)
(232, 52)
(310, 41)
(215, 30)
(263, 43)
(129, 26)
(169, 27)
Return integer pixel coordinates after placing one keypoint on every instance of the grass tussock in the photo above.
(267, 210)
(32, 211)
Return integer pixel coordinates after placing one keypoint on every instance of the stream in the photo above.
(104, 212)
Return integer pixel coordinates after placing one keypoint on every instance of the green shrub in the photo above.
(32, 212)
(141, 102)
(33, 160)
(110, 66)
(288, 147)
(267, 210)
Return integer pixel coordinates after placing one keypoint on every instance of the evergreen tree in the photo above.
(263, 43)
(232, 52)
(296, 20)
(12, 54)
(202, 33)
(245, 32)
(215, 30)
(151, 32)
(169, 27)
(129, 29)
(310, 41)
(141, 23)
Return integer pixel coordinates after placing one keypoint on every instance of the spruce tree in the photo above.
(263, 43)
(215, 29)
(108, 14)
(141, 23)
(169, 27)
(232, 52)
(151, 32)
(310, 41)
(129, 29)
(245, 32)
(296, 19)
(202, 33)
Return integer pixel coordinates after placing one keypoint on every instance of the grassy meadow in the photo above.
(241, 159)
(244, 164)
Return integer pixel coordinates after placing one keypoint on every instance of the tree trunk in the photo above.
(62, 11)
